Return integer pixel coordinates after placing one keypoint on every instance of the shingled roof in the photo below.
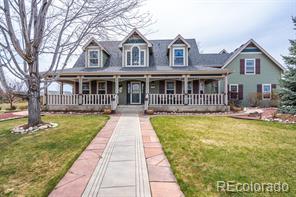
(159, 56)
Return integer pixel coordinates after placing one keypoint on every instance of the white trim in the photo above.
(88, 58)
(251, 53)
(238, 51)
(131, 59)
(98, 86)
(173, 63)
(165, 89)
(93, 39)
(140, 94)
(179, 37)
(266, 84)
(131, 33)
(236, 85)
(254, 60)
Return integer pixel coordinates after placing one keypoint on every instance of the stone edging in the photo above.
(161, 178)
(75, 180)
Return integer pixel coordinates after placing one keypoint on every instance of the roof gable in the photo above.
(93, 42)
(135, 37)
(251, 44)
(179, 40)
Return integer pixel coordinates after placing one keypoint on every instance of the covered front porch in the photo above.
(159, 92)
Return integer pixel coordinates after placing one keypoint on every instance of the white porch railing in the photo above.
(83, 99)
(190, 99)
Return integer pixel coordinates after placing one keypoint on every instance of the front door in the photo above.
(135, 96)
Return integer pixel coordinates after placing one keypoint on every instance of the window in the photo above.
(170, 87)
(266, 90)
(135, 57)
(250, 66)
(102, 87)
(179, 57)
(189, 87)
(233, 91)
(93, 58)
(85, 88)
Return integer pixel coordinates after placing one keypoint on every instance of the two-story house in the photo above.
(163, 75)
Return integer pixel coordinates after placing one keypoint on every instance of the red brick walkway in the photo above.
(13, 115)
(77, 177)
(162, 180)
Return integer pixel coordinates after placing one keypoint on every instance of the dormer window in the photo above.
(93, 58)
(179, 57)
(135, 57)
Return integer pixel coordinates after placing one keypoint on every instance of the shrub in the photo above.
(23, 107)
(11, 108)
(254, 99)
(235, 105)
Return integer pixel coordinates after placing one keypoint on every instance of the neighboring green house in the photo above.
(165, 75)
(255, 76)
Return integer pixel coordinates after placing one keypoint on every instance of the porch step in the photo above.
(130, 108)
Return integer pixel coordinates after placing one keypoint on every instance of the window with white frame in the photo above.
(250, 66)
(135, 57)
(233, 91)
(102, 87)
(85, 88)
(170, 87)
(266, 91)
(179, 59)
(93, 58)
(189, 87)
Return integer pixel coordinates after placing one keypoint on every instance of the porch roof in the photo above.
(116, 70)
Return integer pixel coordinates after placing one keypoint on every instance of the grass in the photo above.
(204, 150)
(32, 164)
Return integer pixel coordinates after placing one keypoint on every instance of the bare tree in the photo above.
(13, 92)
(33, 29)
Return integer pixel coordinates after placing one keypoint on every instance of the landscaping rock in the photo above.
(23, 130)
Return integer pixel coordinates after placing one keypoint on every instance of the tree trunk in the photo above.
(34, 101)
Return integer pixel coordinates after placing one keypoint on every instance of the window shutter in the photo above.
(259, 88)
(76, 88)
(273, 86)
(93, 87)
(179, 87)
(195, 87)
(161, 87)
(240, 92)
(109, 87)
(258, 66)
(228, 91)
(242, 66)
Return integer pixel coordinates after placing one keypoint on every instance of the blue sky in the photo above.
(218, 24)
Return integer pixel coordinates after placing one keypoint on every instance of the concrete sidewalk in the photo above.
(122, 171)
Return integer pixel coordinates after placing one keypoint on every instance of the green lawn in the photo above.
(32, 164)
(203, 150)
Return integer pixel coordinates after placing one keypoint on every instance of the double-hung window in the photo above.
(93, 58)
(135, 57)
(179, 59)
(266, 91)
(102, 87)
(170, 87)
(85, 88)
(189, 87)
(250, 66)
(233, 91)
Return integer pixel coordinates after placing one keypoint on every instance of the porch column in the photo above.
(186, 90)
(116, 89)
(147, 93)
(226, 89)
(45, 93)
(61, 88)
(80, 81)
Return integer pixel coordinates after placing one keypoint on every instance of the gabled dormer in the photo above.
(135, 50)
(178, 51)
(95, 54)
